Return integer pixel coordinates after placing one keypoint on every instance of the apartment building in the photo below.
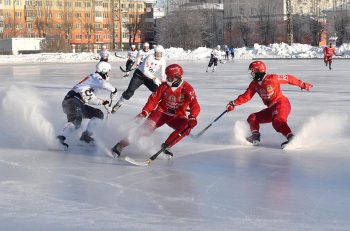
(84, 23)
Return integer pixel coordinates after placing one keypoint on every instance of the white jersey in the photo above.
(89, 86)
(132, 54)
(141, 55)
(216, 53)
(151, 65)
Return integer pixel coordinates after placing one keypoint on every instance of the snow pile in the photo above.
(280, 50)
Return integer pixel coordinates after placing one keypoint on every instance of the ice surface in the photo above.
(216, 182)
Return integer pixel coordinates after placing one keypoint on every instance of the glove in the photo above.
(192, 121)
(141, 116)
(306, 86)
(230, 106)
(105, 102)
(113, 94)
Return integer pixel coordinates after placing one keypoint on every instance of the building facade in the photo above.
(246, 22)
(85, 23)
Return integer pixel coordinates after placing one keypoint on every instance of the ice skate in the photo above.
(166, 155)
(254, 138)
(86, 138)
(61, 139)
(289, 139)
(117, 150)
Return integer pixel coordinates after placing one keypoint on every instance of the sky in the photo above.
(215, 182)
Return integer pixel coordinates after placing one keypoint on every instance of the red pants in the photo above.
(277, 114)
(327, 59)
(157, 119)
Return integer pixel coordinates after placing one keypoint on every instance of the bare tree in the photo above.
(180, 28)
(267, 23)
(341, 24)
(316, 28)
(136, 22)
(43, 22)
(244, 28)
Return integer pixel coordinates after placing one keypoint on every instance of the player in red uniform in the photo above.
(278, 106)
(167, 105)
(328, 53)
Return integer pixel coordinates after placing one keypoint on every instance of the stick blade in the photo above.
(137, 162)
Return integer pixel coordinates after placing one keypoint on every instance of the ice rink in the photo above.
(216, 182)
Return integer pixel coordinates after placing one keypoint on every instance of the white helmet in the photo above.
(104, 55)
(146, 44)
(159, 51)
(133, 46)
(103, 68)
(218, 47)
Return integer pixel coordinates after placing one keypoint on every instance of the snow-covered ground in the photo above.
(281, 50)
(215, 182)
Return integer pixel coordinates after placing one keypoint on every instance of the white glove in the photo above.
(157, 81)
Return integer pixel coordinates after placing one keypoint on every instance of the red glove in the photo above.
(306, 86)
(192, 121)
(230, 106)
(141, 116)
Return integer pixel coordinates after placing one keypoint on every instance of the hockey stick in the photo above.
(207, 127)
(126, 70)
(153, 157)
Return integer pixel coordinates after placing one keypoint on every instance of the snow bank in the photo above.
(281, 50)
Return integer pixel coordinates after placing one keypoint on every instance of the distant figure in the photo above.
(143, 53)
(227, 52)
(232, 51)
(215, 56)
(278, 106)
(328, 53)
(104, 54)
(132, 53)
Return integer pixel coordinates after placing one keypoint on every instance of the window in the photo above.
(29, 26)
(87, 15)
(105, 5)
(106, 37)
(87, 4)
(18, 14)
(97, 37)
(78, 36)
(77, 4)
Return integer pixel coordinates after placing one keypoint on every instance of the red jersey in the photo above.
(269, 89)
(329, 51)
(173, 102)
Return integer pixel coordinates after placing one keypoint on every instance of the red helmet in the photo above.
(174, 71)
(257, 66)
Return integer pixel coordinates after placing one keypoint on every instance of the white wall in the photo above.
(18, 45)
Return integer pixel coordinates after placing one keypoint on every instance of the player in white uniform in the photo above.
(145, 74)
(104, 54)
(76, 103)
(143, 53)
(215, 56)
(132, 54)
